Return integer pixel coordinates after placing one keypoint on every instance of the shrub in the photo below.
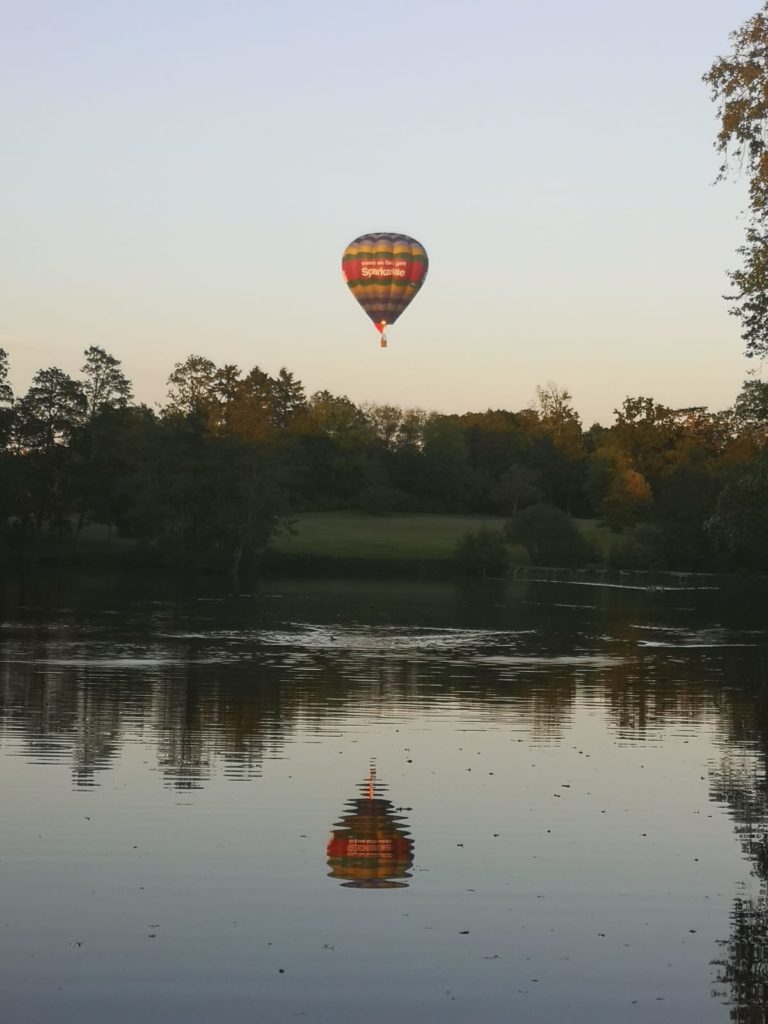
(482, 552)
(549, 536)
(638, 548)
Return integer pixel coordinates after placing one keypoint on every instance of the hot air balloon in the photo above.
(384, 271)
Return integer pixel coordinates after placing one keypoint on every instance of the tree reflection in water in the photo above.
(217, 692)
(369, 848)
(742, 978)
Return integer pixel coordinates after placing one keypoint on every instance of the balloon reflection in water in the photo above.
(369, 848)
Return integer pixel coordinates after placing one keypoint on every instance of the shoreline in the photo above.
(276, 564)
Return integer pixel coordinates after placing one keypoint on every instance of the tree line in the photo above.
(211, 475)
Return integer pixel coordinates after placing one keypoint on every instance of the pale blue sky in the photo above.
(181, 176)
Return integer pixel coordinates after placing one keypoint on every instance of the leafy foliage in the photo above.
(739, 523)
(739, 87)
(105, 385)
(215, 474)
(549, 536)
(482, 552)
(51, 411)
(6, 392)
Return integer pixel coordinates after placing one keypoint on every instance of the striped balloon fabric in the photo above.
(384, 271)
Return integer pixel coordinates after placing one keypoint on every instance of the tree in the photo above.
(250, 412)
(110, 476)
(739, 87)
(192, 387)
(8, 474)
(482, 552)
(751, 407)
(51, 411)
(46, 420)
(237, 501)
(6, 392)
(549, 536)
(558, 419)
(260, 406)
(105, 385)
(648, 434)
(328, 447)
(515, 488)
(497, 438)
(747, 422)
(226, 383)
(683, 502)
(557, 428)
(336, 417)
(739, 523)
(385, 422)
(447, 479)
(410, 436)
(288, 399)
(620, 494)
(106, 389)
(6, 400)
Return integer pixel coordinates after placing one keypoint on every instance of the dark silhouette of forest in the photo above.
(208, 479)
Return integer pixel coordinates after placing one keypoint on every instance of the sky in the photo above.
(182, 176)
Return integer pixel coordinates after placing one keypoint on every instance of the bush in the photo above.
(549, 537)
(638, 548)
(482, 552)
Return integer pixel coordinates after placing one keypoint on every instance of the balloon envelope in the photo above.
(384, 271)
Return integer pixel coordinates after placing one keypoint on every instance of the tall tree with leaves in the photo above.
(105, 386)
(7, 465)
(46, 420)
(559, 420)
(225, 388)
(52, 410)
(739, 522)
(648, 435)
(250, 412)
(106, 390)
(6, 392)
(288, 399)
(750, 411)
(562, 454)
(192, 387)
(739, 86)
(6, 399)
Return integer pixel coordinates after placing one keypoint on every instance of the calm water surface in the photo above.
(377, 801)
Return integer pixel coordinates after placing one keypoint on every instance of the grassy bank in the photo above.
(350, 536)
(318, 542)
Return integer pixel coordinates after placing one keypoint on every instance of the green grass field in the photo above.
(355, 535)
(398, 538)
(352, 536)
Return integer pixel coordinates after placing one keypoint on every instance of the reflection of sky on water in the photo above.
(587, 810)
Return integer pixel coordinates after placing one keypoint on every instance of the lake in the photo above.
(361, 800)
